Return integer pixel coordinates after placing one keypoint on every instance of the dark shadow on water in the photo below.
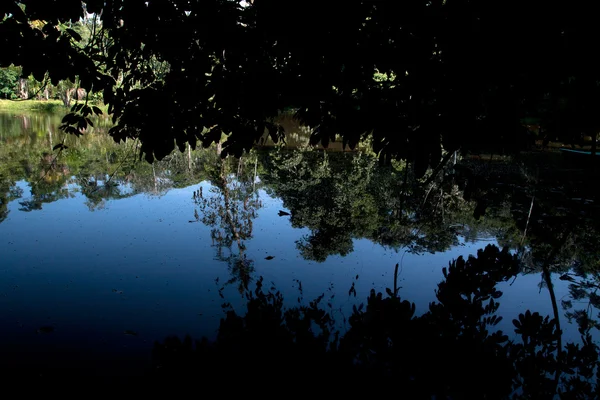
(451, 351)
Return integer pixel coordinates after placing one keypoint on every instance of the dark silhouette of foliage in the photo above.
(453, 350)
(414, 76)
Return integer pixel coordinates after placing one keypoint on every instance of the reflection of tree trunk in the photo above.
(155, 183)
(527, 223)
(404, 186)
(440, 166)
(254, 180)
(548, 280)
(227, 200)
(189, 156)
(442, 201)
(231, 222)
(219, 148)
(396, 288)
(594, 149)
(50, 135)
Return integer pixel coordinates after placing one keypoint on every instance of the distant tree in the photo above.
(9, 81)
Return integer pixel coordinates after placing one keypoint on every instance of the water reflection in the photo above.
(292, 214)
(229, 209)
(454, 350)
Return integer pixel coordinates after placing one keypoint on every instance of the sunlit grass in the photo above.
(32, 105)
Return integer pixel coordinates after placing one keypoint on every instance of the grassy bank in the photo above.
(50, 106)
(18, 106)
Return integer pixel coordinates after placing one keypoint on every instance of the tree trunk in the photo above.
(66, 98)
(23, 91)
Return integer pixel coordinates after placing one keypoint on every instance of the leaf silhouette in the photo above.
(45, 329)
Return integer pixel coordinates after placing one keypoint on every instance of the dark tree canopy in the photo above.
(417, 76)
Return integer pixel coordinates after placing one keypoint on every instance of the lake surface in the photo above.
(101, 254)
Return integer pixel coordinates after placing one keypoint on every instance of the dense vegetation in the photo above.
(418, 77)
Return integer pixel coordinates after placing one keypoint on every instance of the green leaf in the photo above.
(74, 34)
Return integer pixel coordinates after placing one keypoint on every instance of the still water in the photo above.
(102, 254)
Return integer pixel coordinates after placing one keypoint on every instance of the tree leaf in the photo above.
(74, 34)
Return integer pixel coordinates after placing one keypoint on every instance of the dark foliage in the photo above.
(416, 75)
(452, 351)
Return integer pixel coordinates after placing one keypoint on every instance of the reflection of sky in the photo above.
(140, 265)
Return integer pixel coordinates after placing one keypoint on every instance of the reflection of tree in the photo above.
(346, 196)
(93, 164)
(49, 186)
(8, 192)
(331, 194)
(454, 350)
(229, 209)
(555, 213)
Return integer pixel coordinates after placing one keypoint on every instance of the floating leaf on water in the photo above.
(269, 257)
(45, 329)
(74, 34)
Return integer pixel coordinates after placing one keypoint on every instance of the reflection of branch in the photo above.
(226, 198)
(51, 164)
(440, 166)
(548, 279)
(115, 171)
(225, 212)
(527, 223)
